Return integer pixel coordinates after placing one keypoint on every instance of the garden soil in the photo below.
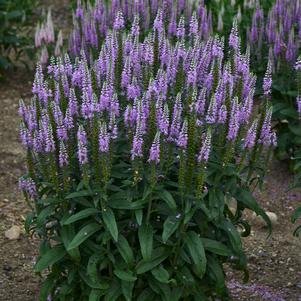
(274, 262)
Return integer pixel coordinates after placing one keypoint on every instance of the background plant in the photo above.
(15, 37)
(131, 165)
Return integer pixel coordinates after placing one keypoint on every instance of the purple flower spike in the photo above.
(299, 105)
(251, 136)
(63, 156)
(82, 146)
(104, 139)
(119, 21)
(154, 153)
(234, 121)
(183, 137)
(181, 28)
(234, 38)
(206, 147)
(28, 185)
(267, 80)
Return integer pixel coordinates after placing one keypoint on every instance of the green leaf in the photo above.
(139, 216)
(102, 285)
(169, 227)
(96, 294)
(92, 269)
(44, 215)
(159, 255)
(81, 215)
(296, 215)
(67, 235)
(114, 292)
(125, 275)
(246, 198)
(197, 252)
(79, 194)
(168, 199)
(160, 274)
(125, 250)
(47, 286)
(215, 247)
(110, 222)
(145, 234)
(147, 295)
(50, 257)
(84, 234)
(28, 222)
(127, 289)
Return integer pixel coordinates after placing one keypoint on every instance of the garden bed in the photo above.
(273, 263)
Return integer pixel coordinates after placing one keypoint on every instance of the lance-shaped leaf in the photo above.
(50, 257)
(169, 227)
(110, 222)
(125, 250)
(145, 234)
(84, 234)
(81, 215)
(197, 252)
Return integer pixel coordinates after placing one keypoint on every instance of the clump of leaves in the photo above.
(132, 165)
(15, 37)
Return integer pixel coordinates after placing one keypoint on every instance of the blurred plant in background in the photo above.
(16, 40)
(45, 39)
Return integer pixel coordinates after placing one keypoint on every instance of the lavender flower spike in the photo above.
(63, 156)
(154, 154)
(251, 135)
(267, 80)
(206, 147)
(82, 146)
(104, 139)
(119, 21)
(183, 137)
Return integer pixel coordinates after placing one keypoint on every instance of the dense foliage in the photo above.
(134, 158)
(15, 39)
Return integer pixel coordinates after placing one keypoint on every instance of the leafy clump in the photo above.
(133, 159)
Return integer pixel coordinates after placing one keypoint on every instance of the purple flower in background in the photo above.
(119, 21)
(154, 153)
(205, 149)
(82, 151)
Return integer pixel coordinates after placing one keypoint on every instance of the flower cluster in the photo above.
(45, 39)
(148, 102)
(91, 22)
(282, 30)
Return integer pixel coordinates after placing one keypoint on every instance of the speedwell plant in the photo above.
(133, 159)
